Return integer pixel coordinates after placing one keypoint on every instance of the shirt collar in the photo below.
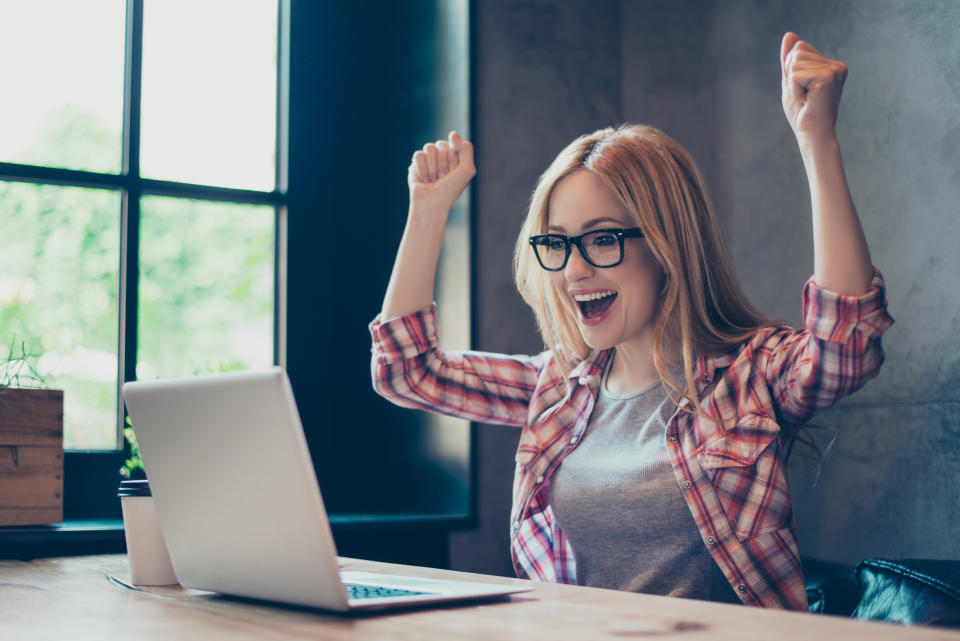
(707, 366)
(590, 367)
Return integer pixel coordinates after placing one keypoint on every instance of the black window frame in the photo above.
(91, 476)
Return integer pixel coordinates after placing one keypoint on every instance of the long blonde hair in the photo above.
(701, 307)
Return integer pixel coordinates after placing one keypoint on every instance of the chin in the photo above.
(596, 340)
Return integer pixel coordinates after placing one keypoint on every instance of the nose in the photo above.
(577, 268)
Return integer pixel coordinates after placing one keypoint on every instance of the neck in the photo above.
(633, 368)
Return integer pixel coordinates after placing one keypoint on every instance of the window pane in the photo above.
(62, 80)
(59, 258)
(206, 287)
(209, 92)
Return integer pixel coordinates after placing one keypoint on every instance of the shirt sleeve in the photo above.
(409, 370)
(836, 352)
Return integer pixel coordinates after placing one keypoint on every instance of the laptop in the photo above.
(239, 503)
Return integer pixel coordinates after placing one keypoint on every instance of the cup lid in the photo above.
(134, 488)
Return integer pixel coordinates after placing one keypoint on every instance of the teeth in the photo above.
(580, 298)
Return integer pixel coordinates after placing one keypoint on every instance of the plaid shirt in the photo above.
(731, 469)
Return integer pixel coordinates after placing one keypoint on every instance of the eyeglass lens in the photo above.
(602, 249)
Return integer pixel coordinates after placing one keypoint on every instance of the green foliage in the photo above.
(206, 287)
(17, 369)
(75, 138)
(133, 466)
(206, 281)
(59, 265)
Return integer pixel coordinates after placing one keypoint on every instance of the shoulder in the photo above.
(748, 355)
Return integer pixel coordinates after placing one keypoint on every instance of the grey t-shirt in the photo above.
(617, 500)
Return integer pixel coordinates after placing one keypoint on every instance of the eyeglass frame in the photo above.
(631, 232)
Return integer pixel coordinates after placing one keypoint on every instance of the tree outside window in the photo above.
(203, 210)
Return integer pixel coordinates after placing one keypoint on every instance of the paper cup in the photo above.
(146, 549)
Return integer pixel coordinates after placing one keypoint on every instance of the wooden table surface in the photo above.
(76, 598)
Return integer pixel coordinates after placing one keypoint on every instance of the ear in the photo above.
(664, 283)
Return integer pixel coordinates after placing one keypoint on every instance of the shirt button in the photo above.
(741, 588)
(672, 440)
(687, 485)
(516, 525)
(573, 441)
(584, 380)
(540, 479)
(711, 540)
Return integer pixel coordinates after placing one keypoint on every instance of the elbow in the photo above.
(381, 375)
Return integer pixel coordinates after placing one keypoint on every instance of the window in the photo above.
(142, 200)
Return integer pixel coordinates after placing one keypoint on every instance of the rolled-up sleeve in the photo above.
(835, 317)
(837, 352)
(405, 336)
(409, 370)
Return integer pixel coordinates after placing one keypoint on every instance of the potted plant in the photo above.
(31, 444)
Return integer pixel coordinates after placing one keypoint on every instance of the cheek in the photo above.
(647, 277)
(643, 299)
(644, 291)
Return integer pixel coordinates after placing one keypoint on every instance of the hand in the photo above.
(811, 87)
(440, 172)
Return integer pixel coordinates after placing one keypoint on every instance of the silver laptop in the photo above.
(238, 499)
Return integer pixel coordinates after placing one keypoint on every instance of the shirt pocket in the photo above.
(744, 466)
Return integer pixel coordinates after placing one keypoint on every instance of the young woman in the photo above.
(655, 427)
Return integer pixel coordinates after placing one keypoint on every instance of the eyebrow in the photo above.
(593, 222)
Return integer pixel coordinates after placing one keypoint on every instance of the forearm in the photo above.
(841, 257)
(409, 370)
(415, 269)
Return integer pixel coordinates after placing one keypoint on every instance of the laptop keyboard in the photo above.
(357, 591)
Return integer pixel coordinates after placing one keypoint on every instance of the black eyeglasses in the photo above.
(601, 247)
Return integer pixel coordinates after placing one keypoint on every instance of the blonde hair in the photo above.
(702, 308)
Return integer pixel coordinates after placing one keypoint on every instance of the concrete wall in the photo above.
(708, 74)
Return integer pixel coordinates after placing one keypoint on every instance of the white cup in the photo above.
(146, 549)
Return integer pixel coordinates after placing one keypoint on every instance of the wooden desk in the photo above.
(74, 598)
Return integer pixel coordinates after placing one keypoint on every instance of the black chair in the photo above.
(911, 591)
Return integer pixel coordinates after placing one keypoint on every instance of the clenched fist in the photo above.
(440, 172)
(811, 87)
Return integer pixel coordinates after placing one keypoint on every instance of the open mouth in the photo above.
(595, 304)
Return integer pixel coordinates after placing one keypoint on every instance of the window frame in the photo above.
(91, 476)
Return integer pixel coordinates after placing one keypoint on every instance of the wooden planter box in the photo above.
(31, 456)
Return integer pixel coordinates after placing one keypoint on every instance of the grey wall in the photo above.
(708, 74)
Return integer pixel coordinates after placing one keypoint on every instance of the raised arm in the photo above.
(407, 367)
(437, 176)
(811, 89)
(844, 310)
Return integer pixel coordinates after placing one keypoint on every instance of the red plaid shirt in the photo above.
(731, 470)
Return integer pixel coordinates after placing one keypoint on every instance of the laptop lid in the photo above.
(239, 503)
(234, 485)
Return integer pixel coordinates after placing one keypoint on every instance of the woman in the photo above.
(655, 427)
